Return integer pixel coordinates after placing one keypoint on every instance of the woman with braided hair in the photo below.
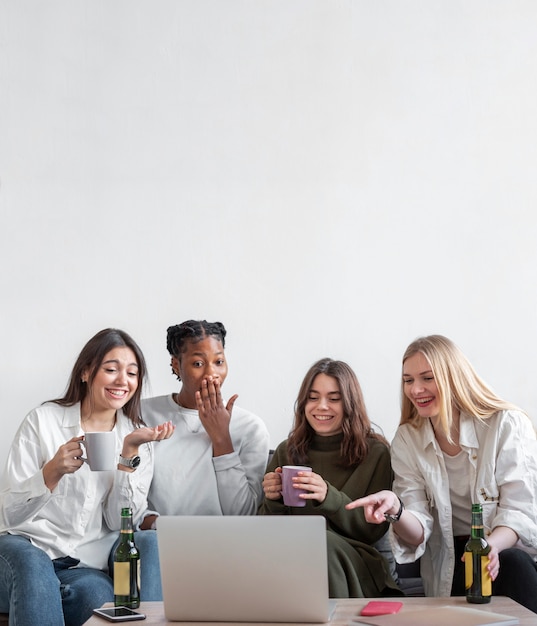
(215, 463)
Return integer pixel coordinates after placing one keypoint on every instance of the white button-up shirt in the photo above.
(502, 453)
(81, 517)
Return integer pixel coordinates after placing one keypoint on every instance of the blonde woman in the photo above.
(458, 443)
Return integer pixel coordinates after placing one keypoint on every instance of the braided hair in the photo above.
(194, 331)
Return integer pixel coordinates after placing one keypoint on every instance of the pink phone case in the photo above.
(378, 607)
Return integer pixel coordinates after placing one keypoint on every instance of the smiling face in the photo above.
(324, 406)
(114, 384)
(420, 386)
(200, 360)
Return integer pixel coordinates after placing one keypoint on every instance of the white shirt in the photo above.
(458, 469)
(81, 517)
(188, 480)
(502, 451)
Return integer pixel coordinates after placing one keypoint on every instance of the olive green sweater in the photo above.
(368, 576)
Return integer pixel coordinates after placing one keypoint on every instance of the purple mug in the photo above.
(290, 494)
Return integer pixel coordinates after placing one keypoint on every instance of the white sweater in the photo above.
(188, 480)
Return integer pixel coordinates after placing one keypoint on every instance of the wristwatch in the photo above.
(132, 463)
(395, 518)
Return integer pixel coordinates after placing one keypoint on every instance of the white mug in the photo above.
(100, 451)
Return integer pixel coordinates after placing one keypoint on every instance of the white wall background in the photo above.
(326, 177)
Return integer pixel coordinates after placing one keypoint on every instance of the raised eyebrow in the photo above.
(116, 362)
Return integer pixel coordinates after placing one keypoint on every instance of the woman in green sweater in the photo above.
(333, 435)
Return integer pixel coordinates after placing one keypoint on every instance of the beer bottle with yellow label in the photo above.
(126, 565)
(476, 558)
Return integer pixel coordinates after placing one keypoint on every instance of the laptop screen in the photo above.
(244, 568)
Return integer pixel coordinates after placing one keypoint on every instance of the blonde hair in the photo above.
(458, 384)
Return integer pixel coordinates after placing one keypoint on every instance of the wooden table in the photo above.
(349, 608)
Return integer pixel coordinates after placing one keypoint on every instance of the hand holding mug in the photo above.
(299, 484)
(65, 461)
(272, 484)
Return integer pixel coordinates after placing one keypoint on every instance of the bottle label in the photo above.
(481, 582)
(486, 581)
(122, 585)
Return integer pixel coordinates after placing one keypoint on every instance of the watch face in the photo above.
(135, 461)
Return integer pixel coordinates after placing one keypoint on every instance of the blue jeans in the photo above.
(36, 590)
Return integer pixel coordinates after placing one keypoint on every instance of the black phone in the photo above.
(119, 614)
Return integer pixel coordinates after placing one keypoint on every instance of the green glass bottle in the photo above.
(127, 565)
(476, 551)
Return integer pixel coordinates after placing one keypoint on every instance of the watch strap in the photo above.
(395, 518)
(132, 462)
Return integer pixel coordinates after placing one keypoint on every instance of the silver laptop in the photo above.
(244, 568)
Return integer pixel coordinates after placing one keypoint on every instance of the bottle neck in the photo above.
(477, 530)
(126, 525)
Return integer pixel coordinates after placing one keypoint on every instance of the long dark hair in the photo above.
(89, 361)
(356, 425)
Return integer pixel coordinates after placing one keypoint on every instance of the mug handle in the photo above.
(83, 458)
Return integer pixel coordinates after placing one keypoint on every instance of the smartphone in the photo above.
(380, 607)
(119, 614)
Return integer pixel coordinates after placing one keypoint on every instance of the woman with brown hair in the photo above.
(58, 518)
(333, 435)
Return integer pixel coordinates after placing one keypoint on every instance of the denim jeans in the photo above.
(36, 590)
